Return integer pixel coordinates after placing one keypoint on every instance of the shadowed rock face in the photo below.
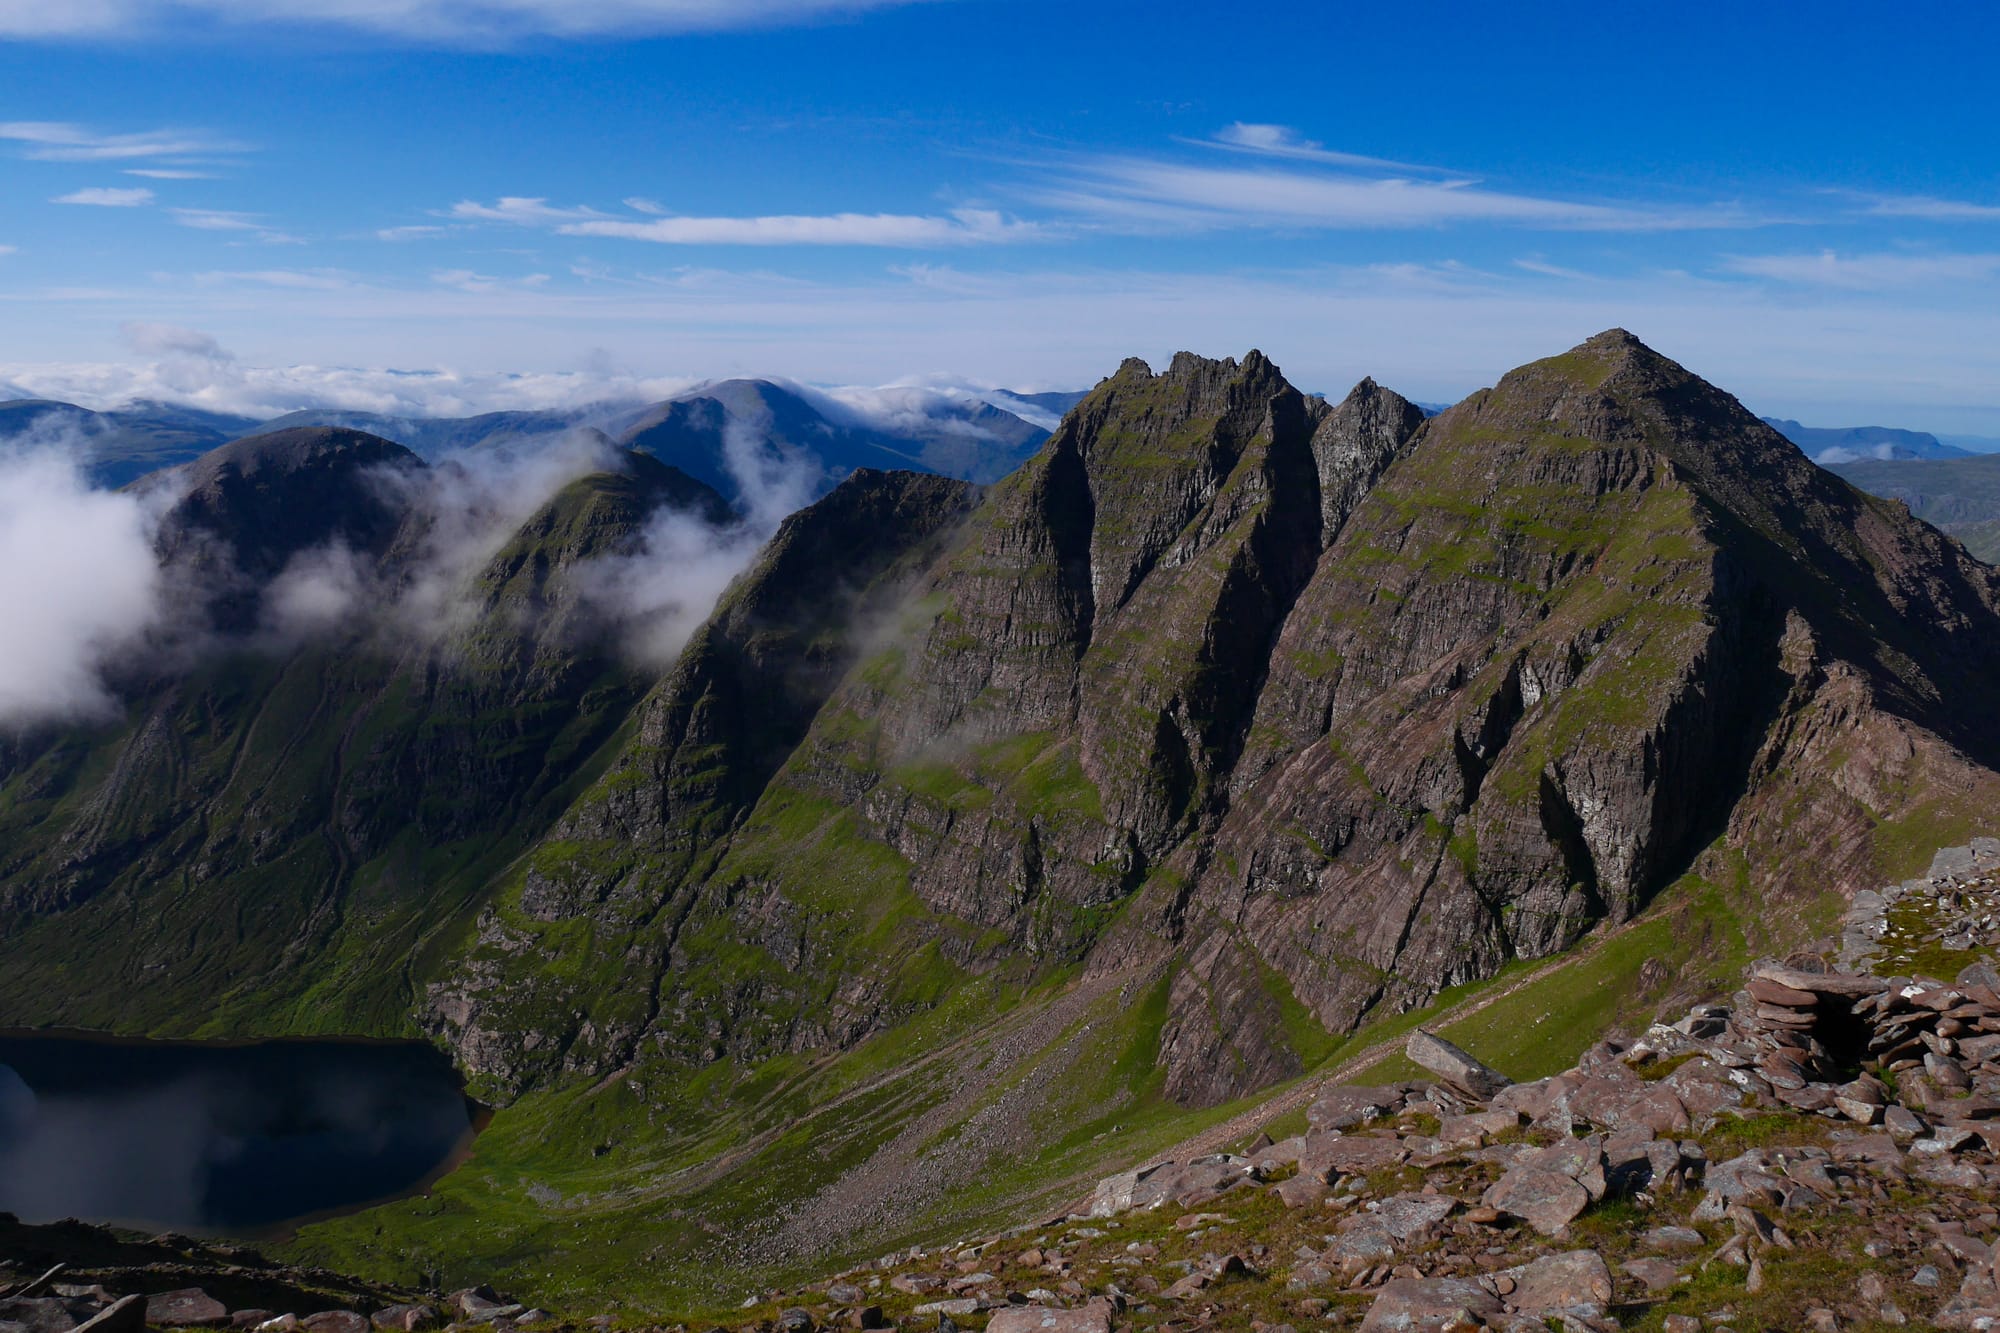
(1308, 708)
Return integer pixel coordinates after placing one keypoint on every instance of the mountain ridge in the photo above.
(1232, 721)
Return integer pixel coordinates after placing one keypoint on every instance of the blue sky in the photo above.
(1802, 204)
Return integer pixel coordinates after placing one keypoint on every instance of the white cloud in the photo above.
(170, 174)
(62, 141)
(1926, 208)
(249, 224)
(317, 280)
(79, 586)
(1286, 142)
(1536, 264)
(450, 21)
(526, 212)
(171, 340)
(467, 280)
(1867, 272)
(1153, 194)
(9, 249)
(414, 233)
(105, 197)
(965, 226)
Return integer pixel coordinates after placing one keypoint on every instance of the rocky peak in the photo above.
(247, 508)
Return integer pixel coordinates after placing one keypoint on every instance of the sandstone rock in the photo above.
(37, 1314)
(1433, 1305)
(190, 1307)
(1653, 1274)
(335, 1321)
(1560, 1280)
(1326, 1155)
(1454, 1066)
(1344, 1107)
(1300, 1191)
(405, 1318)
(1672, 1240)
(125, 1315)
(1548, 1201)
(1092, 1318)
(958, 1305)
(1474, 1129)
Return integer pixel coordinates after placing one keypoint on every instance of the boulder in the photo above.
(1546, 1200)
(190, 1307)
(405, 1318)
(1455, 1067)
(1345, 1107)
(335, 1321)
(125, 1315)
(1430, 1305)
(37, 1314)
(1092, 1318)
(1558, 1281)
(1327, 1155)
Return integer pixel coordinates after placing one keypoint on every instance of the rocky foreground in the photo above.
(73, 1276)
(1820, 1153)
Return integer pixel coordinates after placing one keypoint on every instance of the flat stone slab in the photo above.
(1430, 1305)
(190, 1307)
(1092, 1318)
(1546, 1200)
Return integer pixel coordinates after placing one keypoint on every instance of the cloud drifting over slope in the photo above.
(79, 587)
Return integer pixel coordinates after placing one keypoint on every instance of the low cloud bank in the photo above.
(80, 588)
(87, 599)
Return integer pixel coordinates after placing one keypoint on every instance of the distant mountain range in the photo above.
(1960, 496)
(713, 432)
(1830, 445)
(127, 442)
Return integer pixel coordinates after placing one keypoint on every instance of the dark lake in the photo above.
(196, 1137)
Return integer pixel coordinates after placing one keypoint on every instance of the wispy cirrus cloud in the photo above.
(170, 174)
(63, 141)
(1925, 208)
(467, 280)
(250, 225)
(1867, 272)
(963, 226)
(307, 280)
(106, 197)
(1282, 141)
(1302, 185)
(422, 232)
(447, 22)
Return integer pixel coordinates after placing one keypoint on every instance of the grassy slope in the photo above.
(595, 1198)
